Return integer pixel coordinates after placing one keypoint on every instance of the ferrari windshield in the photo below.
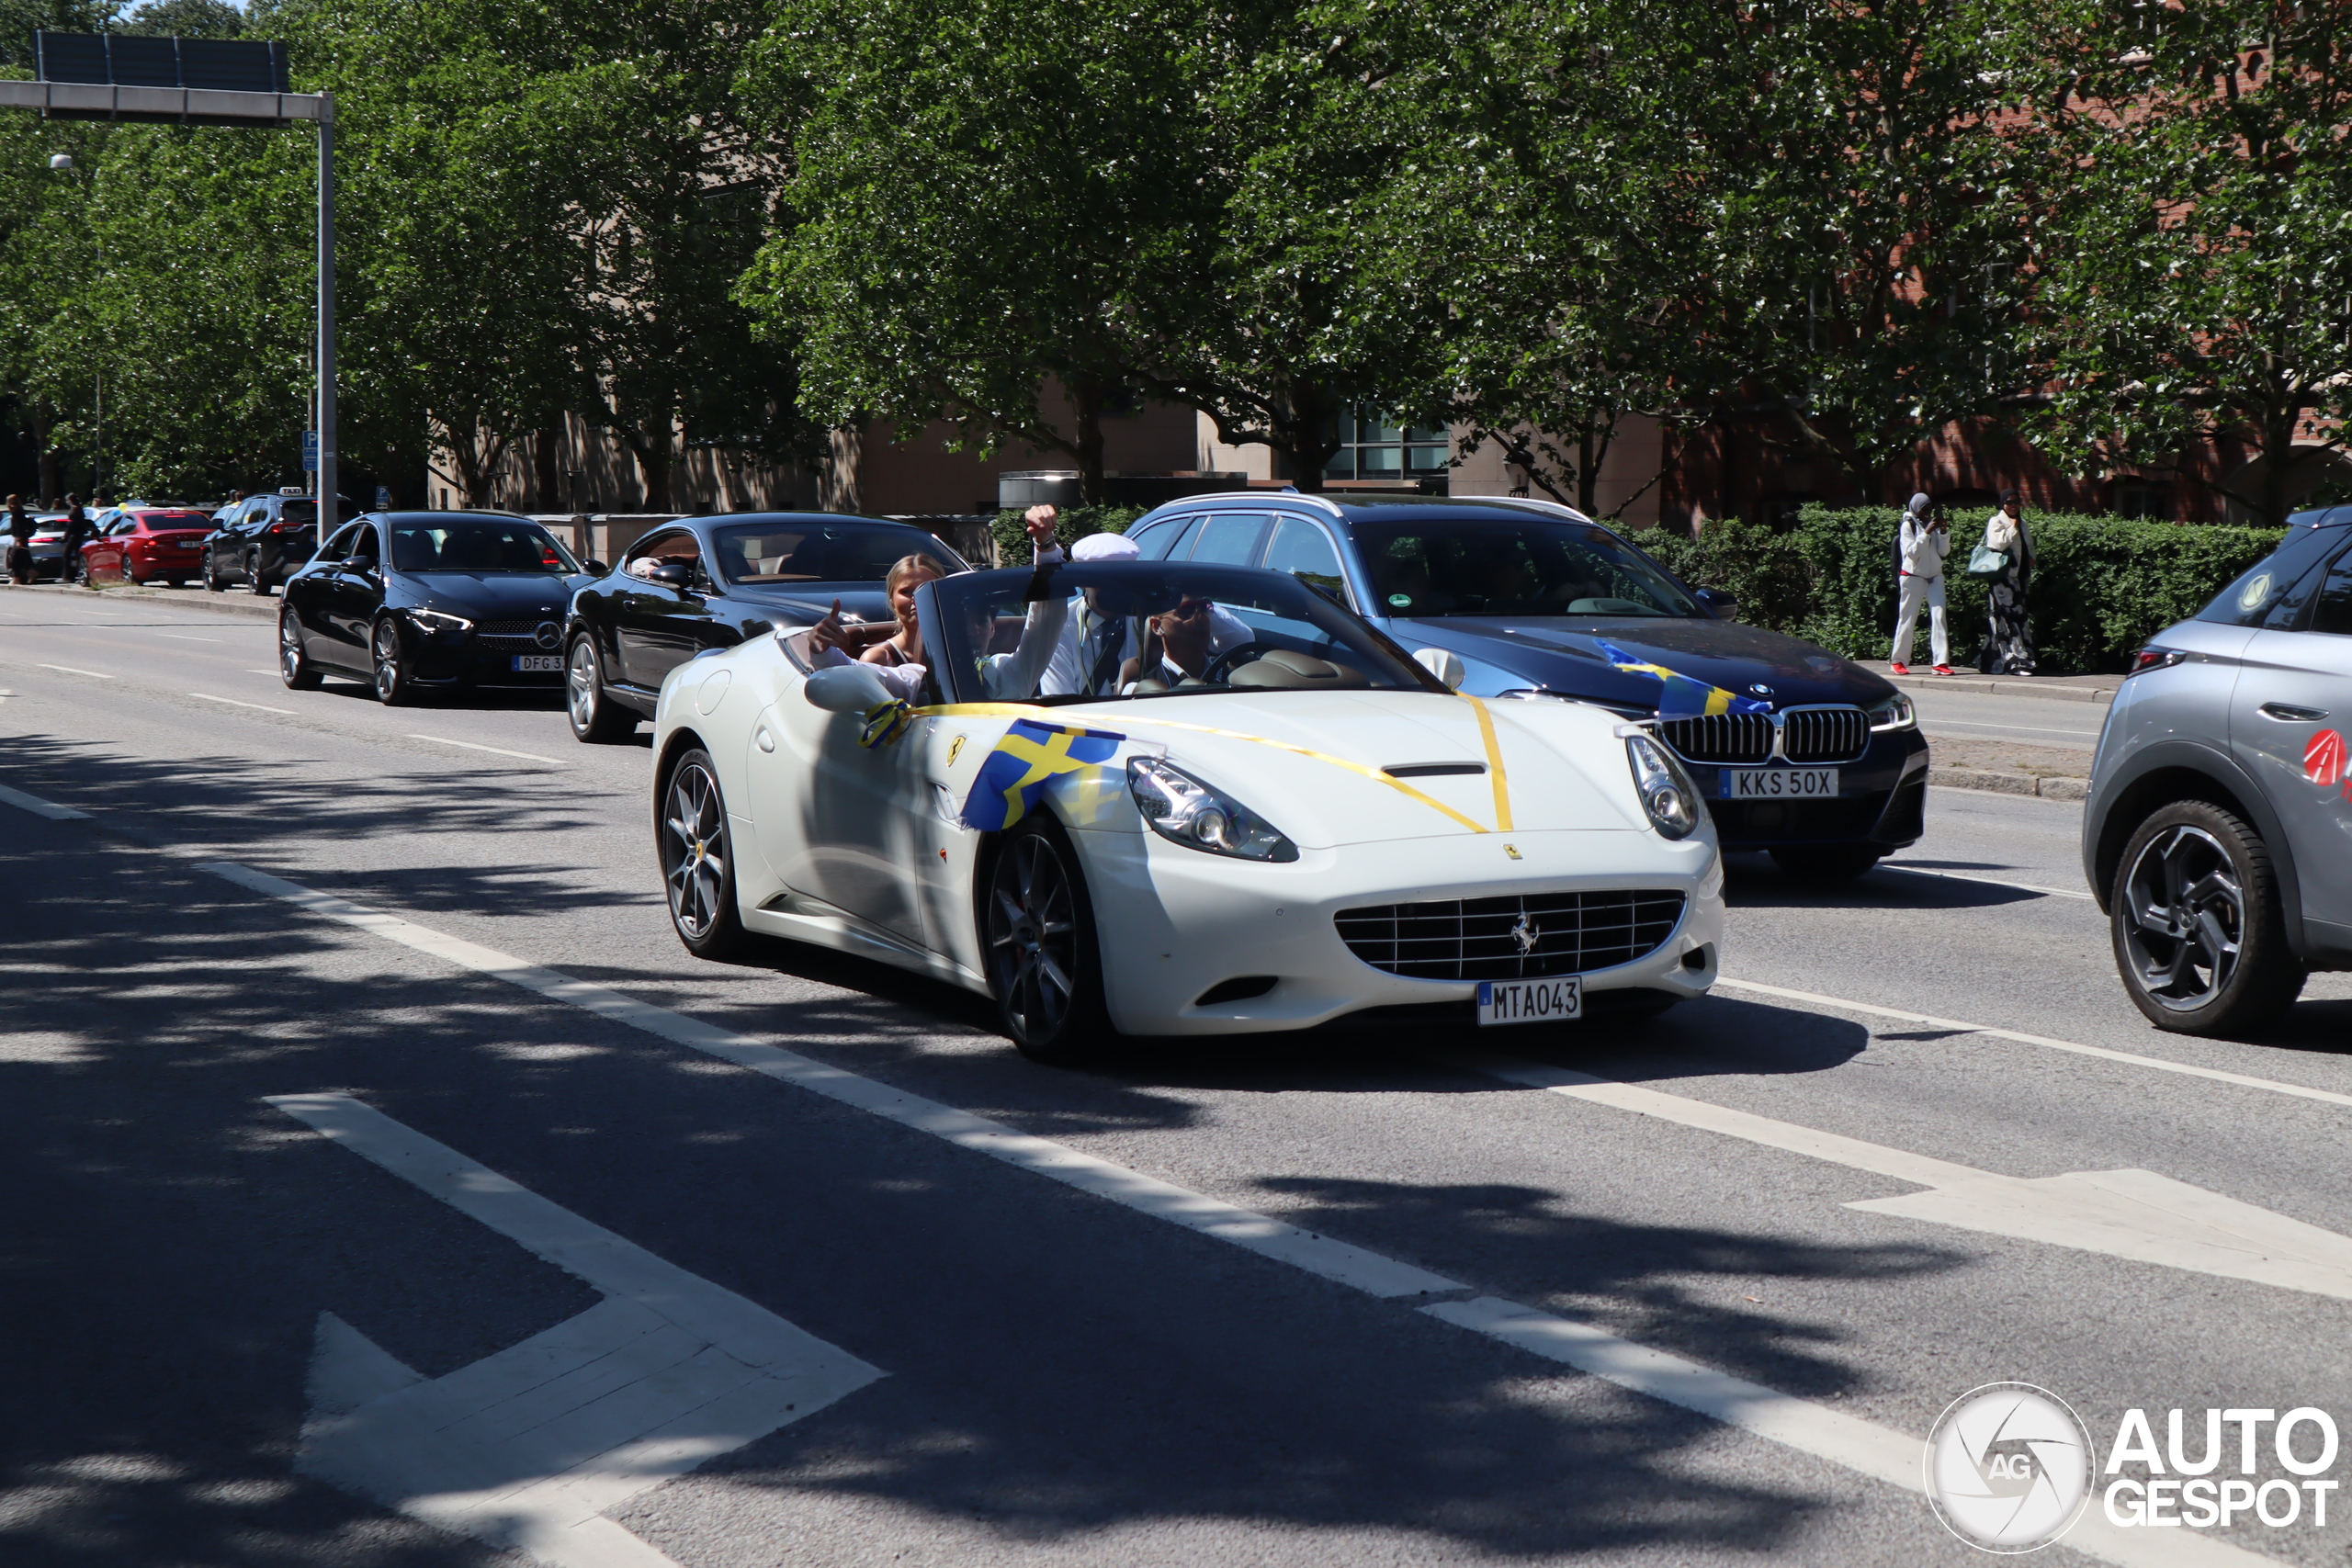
(1149, 629)
(1512, 566)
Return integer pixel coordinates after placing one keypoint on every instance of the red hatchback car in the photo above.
(145, 545)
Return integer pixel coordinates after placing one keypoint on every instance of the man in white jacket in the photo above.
(1925, 542)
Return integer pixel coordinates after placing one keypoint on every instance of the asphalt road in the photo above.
(2022, 721)
(1075, 1368)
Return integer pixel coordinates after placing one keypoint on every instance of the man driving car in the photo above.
(1099, 652)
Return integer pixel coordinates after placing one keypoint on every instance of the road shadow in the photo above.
(1752, 882)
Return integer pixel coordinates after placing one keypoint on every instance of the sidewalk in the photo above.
(237, 601)
(2047, 688)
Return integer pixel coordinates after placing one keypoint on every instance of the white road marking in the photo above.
(498, 750)
(233, 702)
(40, 807)
(531, 1446)
(183, 637)
(68, 669)
(2020, 729)
(1989, 881)
(273, 675)
(1880, 1452)
(2135, 1214)
(1960, 1026)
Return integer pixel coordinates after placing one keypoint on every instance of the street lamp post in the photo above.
(63, 162)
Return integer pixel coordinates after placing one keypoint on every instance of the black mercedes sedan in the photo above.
(415, 601)
(1800, 752)
(710, 582)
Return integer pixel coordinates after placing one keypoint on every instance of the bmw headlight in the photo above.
(1894, 713)
(439, 621)
(1668, 798)
(1180, 808)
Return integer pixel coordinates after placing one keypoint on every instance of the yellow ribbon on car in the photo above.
(1033, 710)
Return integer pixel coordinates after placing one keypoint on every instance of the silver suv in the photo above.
(2218, 835)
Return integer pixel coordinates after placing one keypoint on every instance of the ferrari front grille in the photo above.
(1512, 937)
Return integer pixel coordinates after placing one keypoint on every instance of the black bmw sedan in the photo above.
(1800, 752)
(413, 601)
(710, 582)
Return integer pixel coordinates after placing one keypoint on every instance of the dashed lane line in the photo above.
(1960, 1026)
(495, 750)
(1867, 1448)
(68, 669)
(233, 702)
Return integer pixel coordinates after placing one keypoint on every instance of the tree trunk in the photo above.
(1086, 401)
(48, 458)
(544, 483)
(2278, 455)
(654, 458)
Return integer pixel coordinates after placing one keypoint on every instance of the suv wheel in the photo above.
(253, 578)
(214, 582)
(2200, 939)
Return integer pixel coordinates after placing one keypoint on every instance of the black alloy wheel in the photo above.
(294, 666)
(394, 686)
(2200, 935)
(595, 718)
(252, 576)
(697, 860)
(1041, 949)
(1825, 862)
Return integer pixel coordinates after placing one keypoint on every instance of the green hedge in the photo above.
(1073, 524)
(2101, 585)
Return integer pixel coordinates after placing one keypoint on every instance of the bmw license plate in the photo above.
(1779, 783)
(1531, 1001)
(538, 664)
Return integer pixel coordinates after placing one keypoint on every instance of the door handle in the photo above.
(2288, 713)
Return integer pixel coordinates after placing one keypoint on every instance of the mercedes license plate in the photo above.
(1779, 783)
(538, 663)
(1529, 1001)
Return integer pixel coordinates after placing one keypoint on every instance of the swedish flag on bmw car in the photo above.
(1175, 798)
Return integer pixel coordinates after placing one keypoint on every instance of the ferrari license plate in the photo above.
(1779, 783)
(1529, 1001)
(537, 663)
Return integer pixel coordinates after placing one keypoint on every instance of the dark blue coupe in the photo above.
(1800, 752)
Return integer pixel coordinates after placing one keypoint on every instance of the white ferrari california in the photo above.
(1175, 798)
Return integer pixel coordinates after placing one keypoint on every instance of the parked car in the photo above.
(264, 540)
(1798, 751)
(2220, 802)
(414, 601)
(48, 544)
(1311, 827)
(710, 583)
(146, 545)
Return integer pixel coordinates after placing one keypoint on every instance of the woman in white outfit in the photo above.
(1925, 542)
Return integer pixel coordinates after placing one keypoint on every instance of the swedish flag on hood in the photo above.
(1030, 759)
(1682, 696)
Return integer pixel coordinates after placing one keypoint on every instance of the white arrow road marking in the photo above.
(1960, 1026)
(531, 1446)
(1880, 1452)
(2136, 1214)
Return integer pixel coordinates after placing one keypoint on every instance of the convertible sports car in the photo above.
(1262, 835)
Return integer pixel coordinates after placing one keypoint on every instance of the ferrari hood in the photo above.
(1332, 767)
(1583, 657)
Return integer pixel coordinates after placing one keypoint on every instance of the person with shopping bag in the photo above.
(2004, 560)
(1922, 543)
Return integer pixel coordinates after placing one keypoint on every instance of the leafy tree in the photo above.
(2197, 283)
(185, 18)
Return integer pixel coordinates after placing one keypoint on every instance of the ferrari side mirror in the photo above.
(845, 688)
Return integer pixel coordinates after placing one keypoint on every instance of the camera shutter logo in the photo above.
(2010, 1467)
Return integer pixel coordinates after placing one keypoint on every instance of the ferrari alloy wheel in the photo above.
(294, 666)
(697, 863)
(2200, 938)
(390, 651)
(1039, 928)
(595, 718)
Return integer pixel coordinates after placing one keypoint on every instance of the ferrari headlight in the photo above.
(439, 621)
(1180, 808)
(1894, 713)
(1668, 798)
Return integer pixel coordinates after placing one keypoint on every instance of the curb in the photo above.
(237, 604)
(2053, 690)
(1998, 782)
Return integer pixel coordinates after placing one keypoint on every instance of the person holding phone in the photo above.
(1924, 541)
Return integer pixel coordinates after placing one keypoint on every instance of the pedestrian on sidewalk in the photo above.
(20, 542)
(78, 529)
(2008, 643)
(1922, 542)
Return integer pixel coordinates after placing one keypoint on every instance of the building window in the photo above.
(2142, 497)
(1371, 446)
